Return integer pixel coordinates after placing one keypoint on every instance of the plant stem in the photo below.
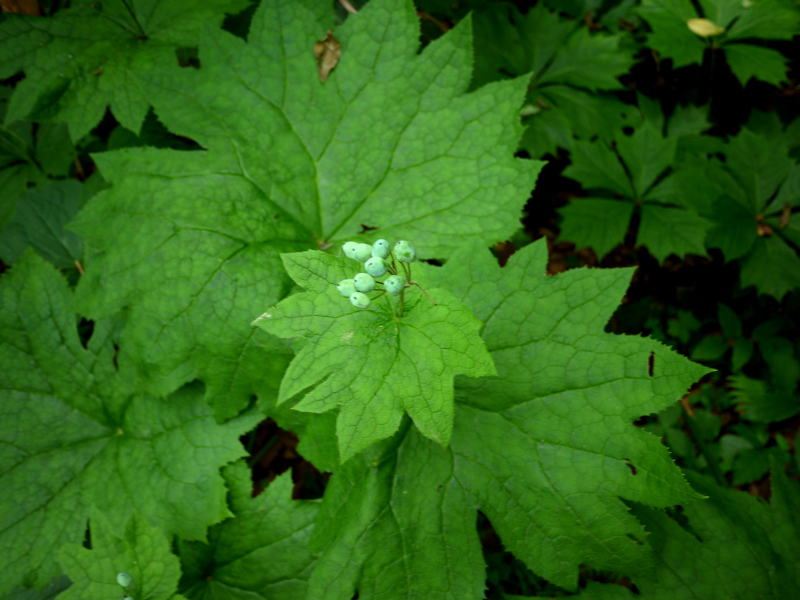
(263, 450)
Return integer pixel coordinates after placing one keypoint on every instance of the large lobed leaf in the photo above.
(260, 553)
(191, 240)
(730, 546)
(74, 433)
(545, 449)
(86, 58)
(374, 365)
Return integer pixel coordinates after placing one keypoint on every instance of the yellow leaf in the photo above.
(704, 27)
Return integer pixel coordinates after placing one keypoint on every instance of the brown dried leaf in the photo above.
(327, 51)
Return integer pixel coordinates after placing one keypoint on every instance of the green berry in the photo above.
(363, 282)
(349, 249)
(124, 579)
(375, 266)
(362, 253)
(405, 252)
(394, 285)
(381, 249)
(346, 287)
(359, 300)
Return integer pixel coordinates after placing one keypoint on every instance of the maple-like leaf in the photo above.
(260, 552)
(545, 449)
(630, 171)
(758, 187)
(74, 433)
(730, 546)
(86, 58)
(188, 242)
(569, 65)
(374, 365)
(139, 549)
(730, 23)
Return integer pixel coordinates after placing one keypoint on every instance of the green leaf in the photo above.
(544, 449)
(570, 64)
(39, 222)
(729, 321)
(596, 166)
(141, 550)
(766, 19)
(742, 353)
(766, 64)
(374, 365)
(772, 266)
(76, 433)
(666, 231)
(670, 35)
(597, 223)
(86, 58)
(590, 61)
(710, 349)
(647, 155)
(259, 553)
(191, 240)
(721, 12)
(762, 404)
(784, 368)
(734, 546)
(759, 164)
(50, 591)
(734, 231)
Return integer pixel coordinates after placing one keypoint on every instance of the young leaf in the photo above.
(545, 449)
(76, 433)
(191, 240)
(374, 365)
(86, 58)
(142, 551)
(261, 550)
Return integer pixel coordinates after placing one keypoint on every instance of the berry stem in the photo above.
(424, 292)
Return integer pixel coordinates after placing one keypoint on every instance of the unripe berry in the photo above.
(359, 300)
(346, 287)
(363, 282)
(362, 253)
(375, 266)
(381, 249)
(394, 285)
(405, 252)
(349, 249)
(124, 579)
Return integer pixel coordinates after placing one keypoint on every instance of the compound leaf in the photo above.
(85, 58)
(75, 433)
(665, 230)
(141, 550)
(545, 449)
(260, 552)
(191, 240)
(373, 364)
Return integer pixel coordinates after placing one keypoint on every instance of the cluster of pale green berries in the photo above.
(378, 260)
(124, 579)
